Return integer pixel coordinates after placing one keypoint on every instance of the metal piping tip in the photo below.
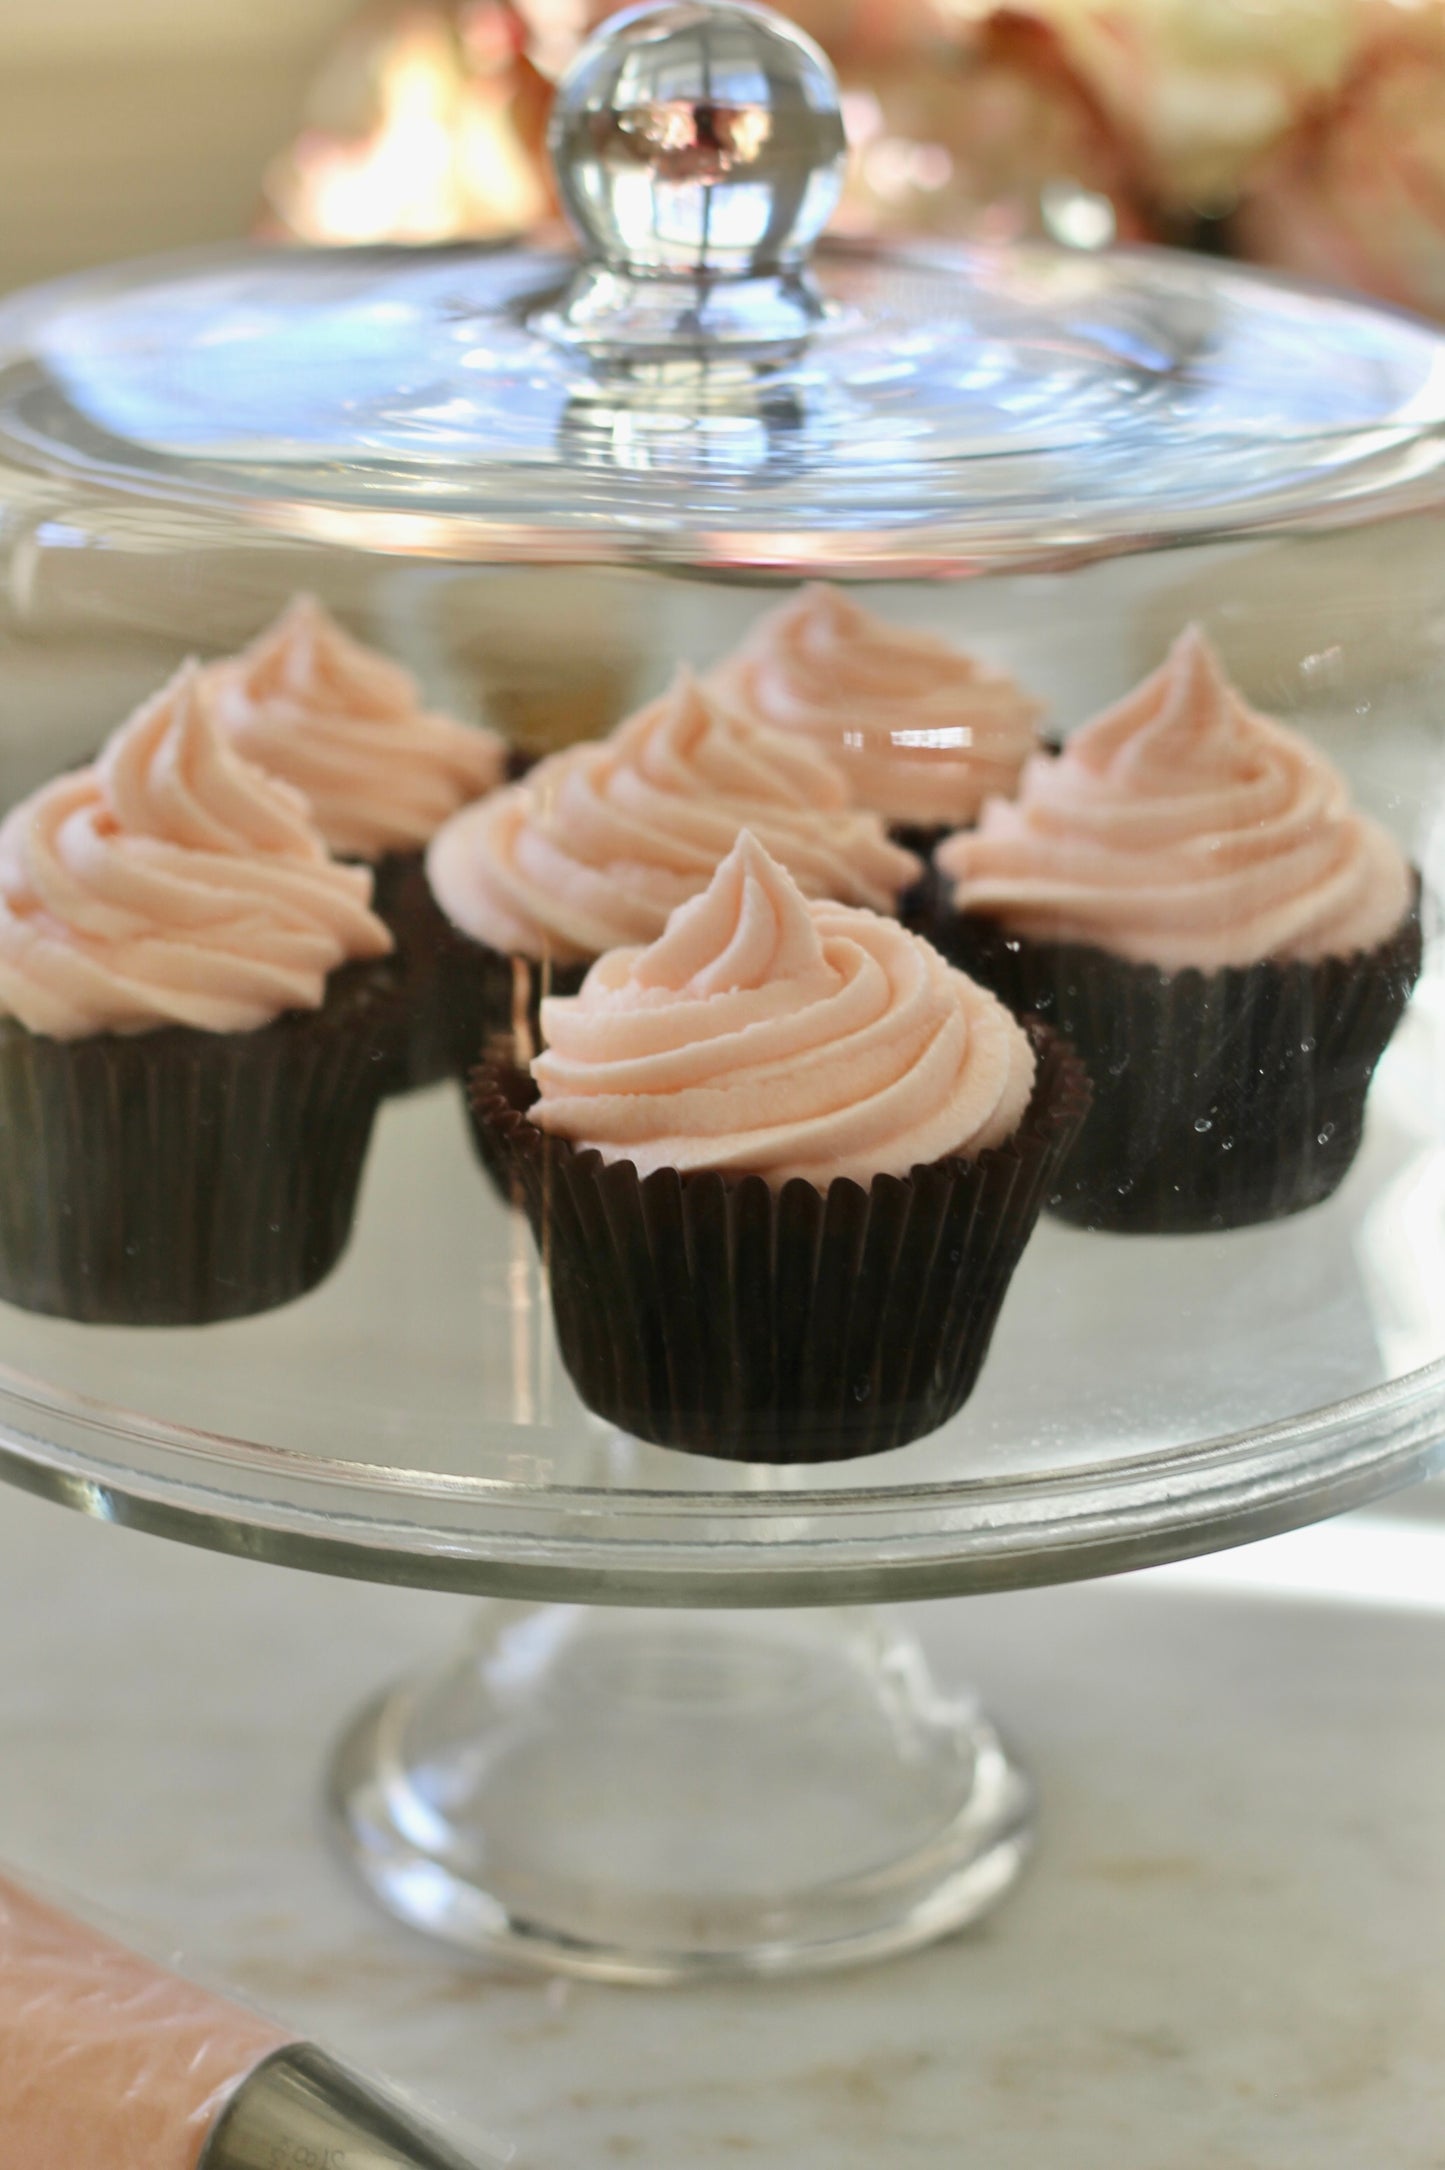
(300, 2110)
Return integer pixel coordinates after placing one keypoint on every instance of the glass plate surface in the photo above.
(409, 1420)
(183, 444)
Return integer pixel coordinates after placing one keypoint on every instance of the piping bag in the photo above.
(110, 2062)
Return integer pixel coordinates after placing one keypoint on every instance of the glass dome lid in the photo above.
(701, 391)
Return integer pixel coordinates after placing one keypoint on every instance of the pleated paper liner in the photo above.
(455, 991)
(915, 904)
(176, 1177)
(423, 935)
(712, 1313)
(504, 1058)
(488, 993)
(924, 838)
(1222, 1099)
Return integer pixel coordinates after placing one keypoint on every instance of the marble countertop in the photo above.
(1227, 1957)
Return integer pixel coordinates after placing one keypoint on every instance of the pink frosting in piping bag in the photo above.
(172, 883)
(1179, 828)
(346, 726)
(923, 732)
(765, 1034)
(106, 2062)
(601, 842)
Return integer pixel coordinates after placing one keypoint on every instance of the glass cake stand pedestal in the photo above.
(673, 1745)
(651, 1797)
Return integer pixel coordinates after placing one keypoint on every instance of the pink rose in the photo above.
(993, 136)
(1200, 89)
(1357, 196)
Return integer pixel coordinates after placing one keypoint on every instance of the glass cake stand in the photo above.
(672, 1747)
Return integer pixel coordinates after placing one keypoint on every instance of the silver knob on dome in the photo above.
(699, 152)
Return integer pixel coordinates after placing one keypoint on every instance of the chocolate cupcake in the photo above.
(1187, 894)
(781, 1165)
(601, 842)
(923, 731)
(193, 1039)
(346, 727)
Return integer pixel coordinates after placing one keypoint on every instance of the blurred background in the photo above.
(1308, 134)
(143, 126)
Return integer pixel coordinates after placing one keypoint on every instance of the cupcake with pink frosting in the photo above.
(782, 1162)
(601, 842)
(195, 1031)
(347, 727)
(1187, 892)
(923, 731)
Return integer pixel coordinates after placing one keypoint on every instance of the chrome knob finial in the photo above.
(698, 141)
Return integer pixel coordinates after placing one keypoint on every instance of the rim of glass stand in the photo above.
(1396, 466)
(780, 1544)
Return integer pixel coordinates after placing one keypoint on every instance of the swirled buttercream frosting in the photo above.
(1179, 828)
(347, 727)
(173, 883)
(766, 1034)
(602, 841)
(923, 731)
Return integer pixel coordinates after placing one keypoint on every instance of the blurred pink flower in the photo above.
(1200, 89)
(991, 135)
(1357, 196)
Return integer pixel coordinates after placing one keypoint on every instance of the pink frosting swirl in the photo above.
(602, 841)
(766, 1035)
(923, 732)
(346, 727)
(1181, 829)
(171, 884)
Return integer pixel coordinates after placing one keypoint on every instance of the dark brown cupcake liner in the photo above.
(512, 1082)
(489, 993)
(915, 904)
(1221, 1099)
(424, 938)
(177, 1177)
(715, 1314)
(456, 992)
(924, 838)
(921, 839)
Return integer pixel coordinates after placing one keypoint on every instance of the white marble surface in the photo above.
(1228, 1956)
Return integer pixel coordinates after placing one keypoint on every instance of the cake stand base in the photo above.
(655, 1796)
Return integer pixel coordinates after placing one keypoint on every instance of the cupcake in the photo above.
(781, 1163)
(923, 732)
(380, 772)
(602, 841)
(1186, 893)
(193, 1037)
